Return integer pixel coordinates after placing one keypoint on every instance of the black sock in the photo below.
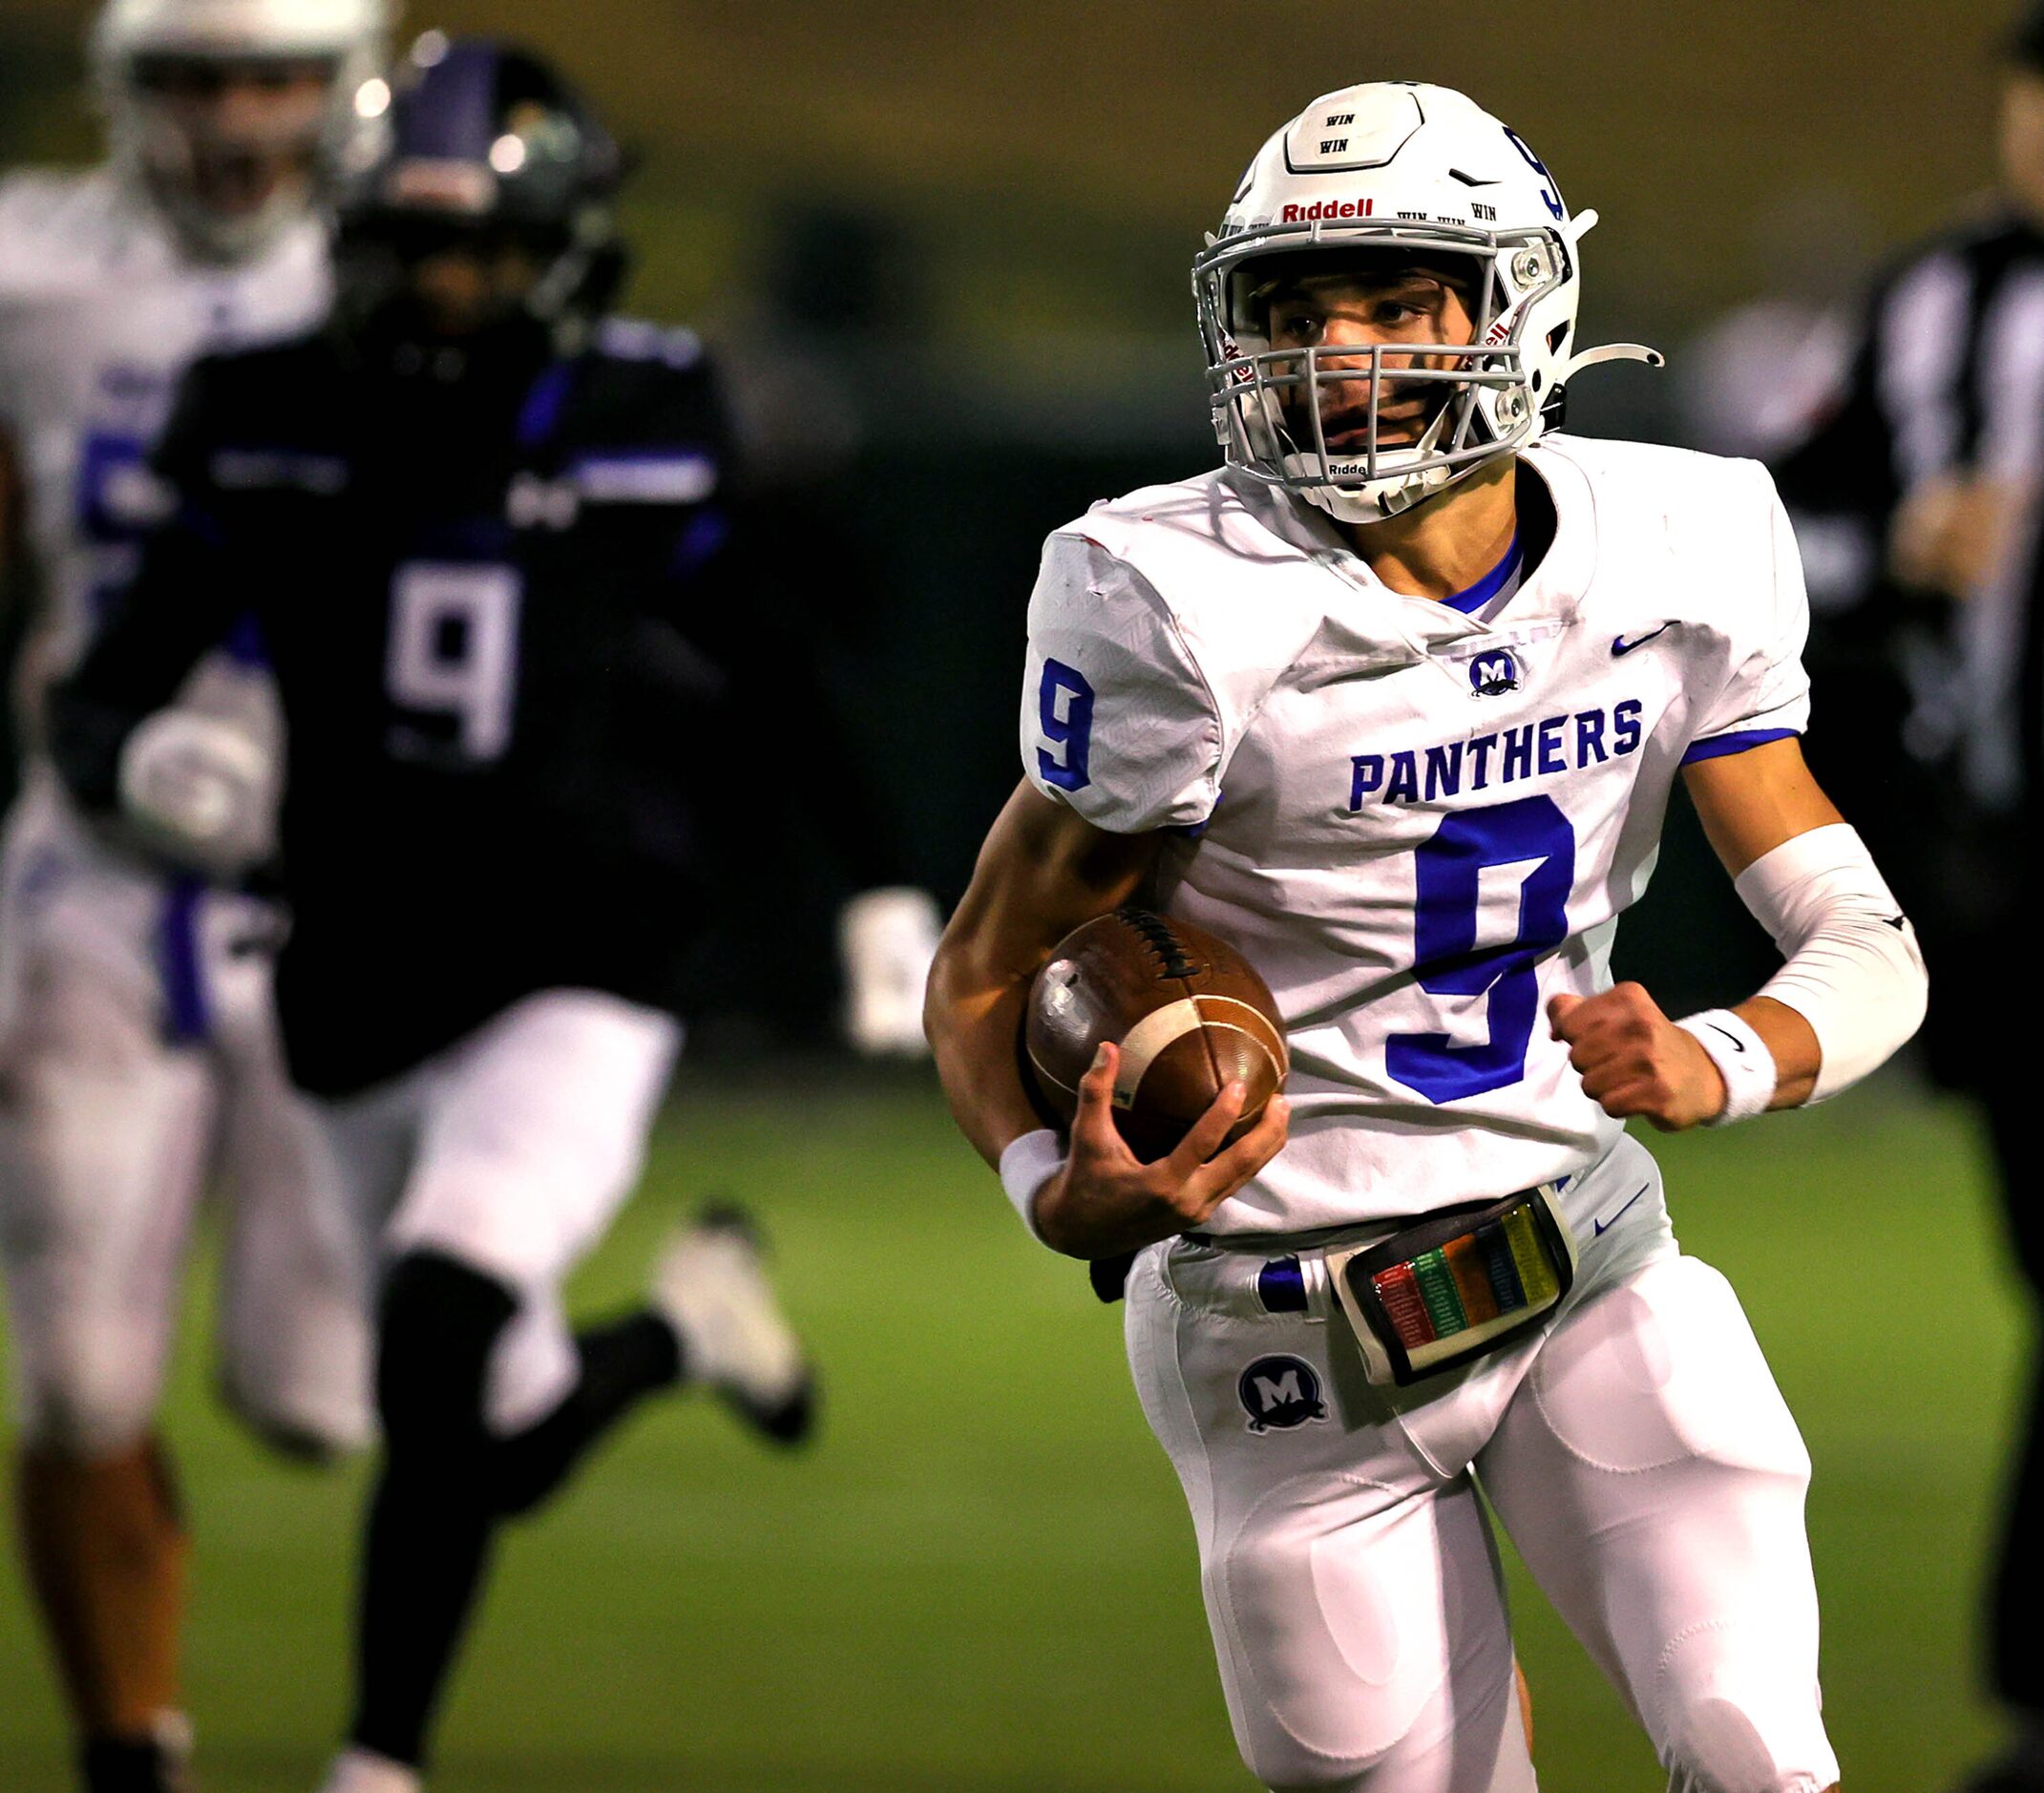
(122, 1765)
(424, 1554)
(621, 1364)
(447, 1484)
(429, 1521)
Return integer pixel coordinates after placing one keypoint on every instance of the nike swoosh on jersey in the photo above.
(1604, 1226)
(1737, 1044)
(1620, 646)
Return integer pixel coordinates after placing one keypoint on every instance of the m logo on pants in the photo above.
(1280, 1392)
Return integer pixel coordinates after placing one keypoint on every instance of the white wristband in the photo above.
(1027, 1165)
(1742, 1058)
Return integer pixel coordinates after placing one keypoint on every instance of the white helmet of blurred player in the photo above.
(232, 116)
(1380, 174)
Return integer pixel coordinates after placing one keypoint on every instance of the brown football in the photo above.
(1188, 1011)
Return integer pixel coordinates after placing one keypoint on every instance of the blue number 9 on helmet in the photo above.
(1388, 175)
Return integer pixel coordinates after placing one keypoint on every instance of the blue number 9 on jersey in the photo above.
(1064, 713)
(1448, 960)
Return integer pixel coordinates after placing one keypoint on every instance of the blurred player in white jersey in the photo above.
(136, 1032)
(1395, 701)
(520, 652)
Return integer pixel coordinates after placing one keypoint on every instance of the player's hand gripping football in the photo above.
(1106, 1200)
(1634, 1059)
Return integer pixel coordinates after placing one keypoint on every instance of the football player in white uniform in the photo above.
(1395, 701)
(136, 1030)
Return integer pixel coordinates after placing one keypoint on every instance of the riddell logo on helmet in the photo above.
(1327, 208)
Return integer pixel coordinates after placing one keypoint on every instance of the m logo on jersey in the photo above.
(1278, 1393)
(1494, 673)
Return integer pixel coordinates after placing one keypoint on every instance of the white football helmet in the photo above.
(1403, 166)
(160, 148)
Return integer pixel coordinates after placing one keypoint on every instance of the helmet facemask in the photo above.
(1277, 405)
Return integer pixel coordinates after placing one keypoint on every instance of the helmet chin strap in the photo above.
(213, 238)
(1388, 496)
(1396, 490)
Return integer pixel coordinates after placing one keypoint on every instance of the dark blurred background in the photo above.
(945, 250)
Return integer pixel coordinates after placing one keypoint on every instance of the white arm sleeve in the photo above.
(1855, 972)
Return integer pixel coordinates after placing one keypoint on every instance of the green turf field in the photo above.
(983, 1577)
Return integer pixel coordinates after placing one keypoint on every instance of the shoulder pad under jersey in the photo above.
(62, 229)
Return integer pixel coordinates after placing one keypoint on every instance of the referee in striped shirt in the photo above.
(1915, 497)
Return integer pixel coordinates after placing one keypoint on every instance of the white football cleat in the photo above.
(710, 1285)
(364, 1771)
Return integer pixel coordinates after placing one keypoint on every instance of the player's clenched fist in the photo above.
(1634, 1059)
(1106, 1199)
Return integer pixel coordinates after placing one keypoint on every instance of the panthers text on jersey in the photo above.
(99, 314)
(511, 673)
(1419, 824)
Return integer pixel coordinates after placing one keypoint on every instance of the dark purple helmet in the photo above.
(484, 143)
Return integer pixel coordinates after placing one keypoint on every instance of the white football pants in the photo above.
(139, 1061)
(511, 1151)
(1636, 1450)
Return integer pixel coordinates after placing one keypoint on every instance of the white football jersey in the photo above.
(1419, 824)
(99, 314)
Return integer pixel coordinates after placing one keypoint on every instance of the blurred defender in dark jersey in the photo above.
(483, 528)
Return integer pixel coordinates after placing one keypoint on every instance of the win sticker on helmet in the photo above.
(1390, 301)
